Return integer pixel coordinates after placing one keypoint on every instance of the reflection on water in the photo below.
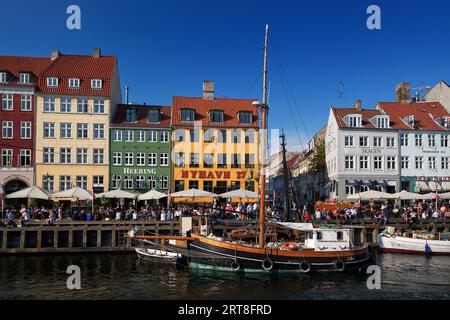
(123, 276)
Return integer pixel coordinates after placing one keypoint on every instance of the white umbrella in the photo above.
(193, 193)
(429, 196)
(77, 193)
(445, 195)
(29, 193)
(371, 194)
(117, 194)
(152, 195)
(240, 193)
(405, 195)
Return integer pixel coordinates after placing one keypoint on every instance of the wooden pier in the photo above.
(78, 236)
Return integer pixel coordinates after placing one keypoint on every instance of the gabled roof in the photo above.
(141, 116)
(83, 67)
(202, 106)
(424, 113)
(14, 66)
(366, 114)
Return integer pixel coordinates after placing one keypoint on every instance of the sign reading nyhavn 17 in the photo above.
(213, 174)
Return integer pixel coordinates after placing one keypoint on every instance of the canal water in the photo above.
(123, 276)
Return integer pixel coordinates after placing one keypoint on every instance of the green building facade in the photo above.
(140, 144)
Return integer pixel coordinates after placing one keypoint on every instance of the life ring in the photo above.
(267, 264)
(305, 267)
(235, 266)
(339, 265)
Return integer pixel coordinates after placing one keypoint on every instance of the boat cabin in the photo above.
(322, 239)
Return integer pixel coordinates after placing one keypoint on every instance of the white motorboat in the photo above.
(415, 242)
(156, 255)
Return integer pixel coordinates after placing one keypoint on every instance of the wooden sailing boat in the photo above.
(321, 248)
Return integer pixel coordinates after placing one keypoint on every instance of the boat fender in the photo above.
(267, 264)
(235, 266)
(305, 267)
(339, 265)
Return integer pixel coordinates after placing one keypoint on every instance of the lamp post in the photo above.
(2, 195)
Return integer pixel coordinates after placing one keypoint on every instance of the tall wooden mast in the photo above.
(262, 177)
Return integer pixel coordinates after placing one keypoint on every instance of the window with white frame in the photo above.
(418, 138)
(444, 163)
(117, 158)
(116, 181)
(354, 121)
(98, 181)
(432, 140)
(99, 131)
(349, 162)
(52, 82)
(128, 182)
(152, 159)
(152, 182)
(82, 182)
(25, 130)
(49, 155)
(64, 183)
(48, 182)
(3, 77)
(49, 104)
(383, 122)
(83, 106)
(7, 102)
(66, 105)
(74, 83)
(96, 84)
(140, 136)
(432, 163)
(99, 156)
(25, 78)
(164, 182)
(154, 115)
(140, 159)
(117, 135)
(25, 102)
(65, 130)
(405, 162)
(129, 158)
(391, 163)
(377, 141)
(7, 130)
(349, 189)
(82, 130)
(65, 155)
(99, 106)
(444, 140)
(363, 141)
(164, 136)
(140, 182)
(131, 115)
(179, 159)
(404, 139)
(7, 157)
(419, 162)
(152, 136)
(49, 129)
(129, 135)
(363, 162)
(179, 135)
(348, 141)
(390, 142)
(377, 162)
(164, 159)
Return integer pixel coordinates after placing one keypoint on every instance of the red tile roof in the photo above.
(202, 106)
(82, 67)
(424, 114)
(367, 114)
(16, 65)
(142, 116)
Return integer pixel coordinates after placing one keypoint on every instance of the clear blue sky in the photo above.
(167, 48)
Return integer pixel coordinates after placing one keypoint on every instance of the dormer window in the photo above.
(382, 122)
(3, 77)
(52, 82)
(74, 83)
(245, 117)
(130, 115)
(187, 115)
(216, 116)
(96, 84)
(446, 122)
(154, 115)
(354, 121)
(25, 78)
(411, 120)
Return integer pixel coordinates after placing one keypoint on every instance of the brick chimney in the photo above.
(208, 89)
(358, 105)
(55, 55)
(403, 92)
(97, 53)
